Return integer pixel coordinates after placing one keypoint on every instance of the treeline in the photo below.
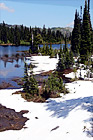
(82, 34)
(20, 35)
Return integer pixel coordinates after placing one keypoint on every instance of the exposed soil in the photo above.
(11, 120)
(46, 73)
(5, 85)
(8, 44)
(18, 80)
(61, 74)
(28, 97)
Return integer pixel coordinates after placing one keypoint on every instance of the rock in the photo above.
(4, 85)
(17, 66)
(36, 117)
(55, 128)
(11, 120)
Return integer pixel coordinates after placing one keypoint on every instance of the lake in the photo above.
(14, 67)
(57, 46)
(9, 69)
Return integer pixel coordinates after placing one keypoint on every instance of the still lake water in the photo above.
(8, 69)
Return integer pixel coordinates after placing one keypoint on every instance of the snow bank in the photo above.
(66, 118)
(79, 73)
(83, 73)
(42, 63)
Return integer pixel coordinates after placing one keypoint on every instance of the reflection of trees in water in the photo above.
(14, 57)
(5, 64)
(6, 55)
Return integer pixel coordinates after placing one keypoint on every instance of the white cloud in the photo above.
(70, 24)
(4, 7)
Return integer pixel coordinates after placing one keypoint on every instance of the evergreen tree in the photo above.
(16, 36)
(85, 48)
(92, 41)
(60, 51)
(4, 33)
(47, 49)
(61, 63)
(51, 52)
(76, 35)
(71, 58)
(33, 86)
(43, 49)
(52, 85)
(67, 60)
(30, 85)
(43, 33)
(25, 79)
(65, 49)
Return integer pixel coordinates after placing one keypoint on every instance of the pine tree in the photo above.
(60, 51)
(76, 35)
(25, 79)
(67, 60)
(85, 48)
(71, 58)
(16, 36)
(61, 63)
(30, 85)
(33, 86)
(43, 49)
(51, 52)
(52, 85)
(60, 84)
(65, 46)
(47, 49)
(44, 33)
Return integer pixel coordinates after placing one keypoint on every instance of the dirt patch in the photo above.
(18, 80)
(46, 73)
(28, 97)
(5, 85)
(11, 120)
(67, 71)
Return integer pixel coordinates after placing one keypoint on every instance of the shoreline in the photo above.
(12, 45)
(29, 45)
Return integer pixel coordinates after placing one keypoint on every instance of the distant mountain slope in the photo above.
(66, 30)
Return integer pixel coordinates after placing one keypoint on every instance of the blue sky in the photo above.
(52, 13)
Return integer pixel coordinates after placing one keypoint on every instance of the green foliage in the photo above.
(82, 35)
(61, 63)
(85, 48)
(21, 35)
(53, 86)
(65, 58)
(76, 35)
(22, 42)
(30, 85)
(46, 50)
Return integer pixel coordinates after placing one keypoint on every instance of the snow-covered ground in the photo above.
(42, 63)
(79, 73)
(67, 118)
